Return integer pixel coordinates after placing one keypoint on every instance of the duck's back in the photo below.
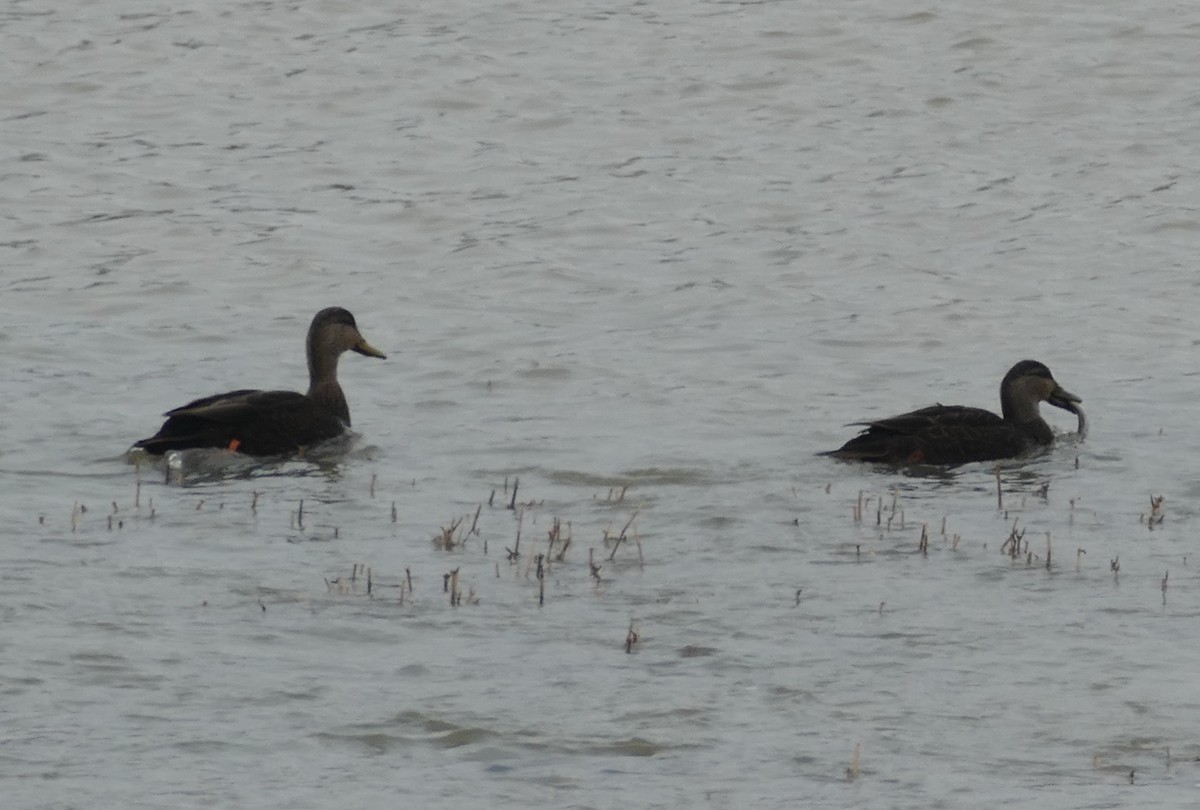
(939, 434)
(258, 423)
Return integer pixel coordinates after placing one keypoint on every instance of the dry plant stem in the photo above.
(393, 511)
(855, 763)
(299, 515)
(1012, 546)
(371, 489)
(515, 551)
(595, 569)
(999, 491)
(621, 536)
(566, 544)
(552, 536)
(408, 576)
(541, 575)
(1156, 514)
(629, 522)
(445, 540)
(512, 504)
(1049, 551)
(529, 563)
(475, 522)
(631, 637)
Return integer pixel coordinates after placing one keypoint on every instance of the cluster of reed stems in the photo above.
(1156, 515)
(538, 563)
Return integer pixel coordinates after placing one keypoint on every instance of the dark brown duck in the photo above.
(272, 423)
(953, 434)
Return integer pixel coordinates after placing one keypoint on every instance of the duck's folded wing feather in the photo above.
(254, 422)
(932, 418)
(237, 405)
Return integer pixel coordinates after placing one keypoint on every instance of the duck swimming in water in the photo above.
(953, 434)
(273, 423)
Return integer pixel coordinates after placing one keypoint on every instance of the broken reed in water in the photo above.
(619, 538)
(855, 763)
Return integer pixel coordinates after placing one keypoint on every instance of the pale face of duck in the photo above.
(1028, 384)
(333, 331)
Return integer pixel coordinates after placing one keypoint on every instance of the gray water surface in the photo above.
(663, 248)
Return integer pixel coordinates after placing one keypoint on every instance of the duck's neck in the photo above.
(1020, 407)
(323, 385)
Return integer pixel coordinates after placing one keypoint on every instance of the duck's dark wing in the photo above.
(914, 422)
(939, 434)
(217, 399)
(258, 423)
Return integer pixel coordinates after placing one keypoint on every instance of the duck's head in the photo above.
(334, 331)
(1028, 383)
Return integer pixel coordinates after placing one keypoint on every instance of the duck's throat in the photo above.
(328, 394)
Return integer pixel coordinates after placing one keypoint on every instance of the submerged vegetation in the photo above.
(512, 549)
